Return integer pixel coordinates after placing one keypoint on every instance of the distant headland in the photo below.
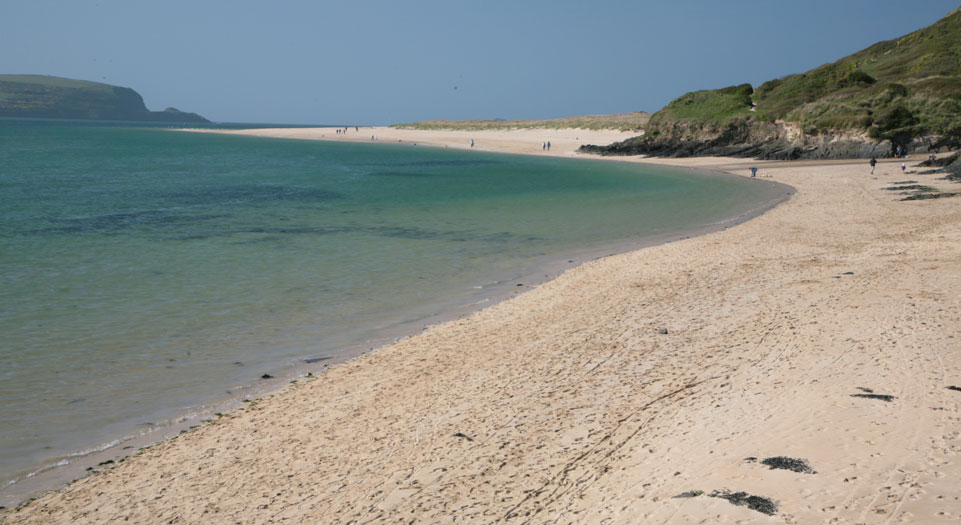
(40, 96)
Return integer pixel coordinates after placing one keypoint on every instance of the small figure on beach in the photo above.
(753, 172)
(548, 145)
(543, 145)
(903, 167)
(472, 143)
(874, 162)
(898, 151)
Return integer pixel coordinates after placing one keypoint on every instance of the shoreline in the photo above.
(566, 400)
(543, 269)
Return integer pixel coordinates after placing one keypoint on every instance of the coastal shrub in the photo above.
(895, 117)
(855, 78)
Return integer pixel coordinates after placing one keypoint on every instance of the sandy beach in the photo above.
(628, 390)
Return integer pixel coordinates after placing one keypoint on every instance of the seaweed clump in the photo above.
(918, 187)
(925, 196)
(882, 397)
(786, 463)
(743, 499)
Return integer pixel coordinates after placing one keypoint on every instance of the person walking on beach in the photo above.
(472, 143)
(874, 162)
(548, 145)
(753, 172)
(903, 167)
(543, 145)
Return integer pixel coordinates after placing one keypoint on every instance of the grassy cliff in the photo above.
(37, 96)
(898, 89)
(905, 91)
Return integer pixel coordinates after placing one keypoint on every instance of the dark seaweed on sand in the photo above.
(919, 187)
(926, 196)
(952, 387)
(743, 499)
(786, 463)
(882, 397)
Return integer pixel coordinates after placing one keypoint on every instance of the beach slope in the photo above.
(627, 390)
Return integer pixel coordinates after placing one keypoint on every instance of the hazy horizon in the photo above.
(383, 63)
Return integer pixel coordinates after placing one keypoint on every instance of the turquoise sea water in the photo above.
(147, 275)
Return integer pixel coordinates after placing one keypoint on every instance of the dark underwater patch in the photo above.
(237, 194)
(115, 222)
(435, 163)
(395, 232)
(396, 174)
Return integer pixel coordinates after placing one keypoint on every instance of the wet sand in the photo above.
(603, 395)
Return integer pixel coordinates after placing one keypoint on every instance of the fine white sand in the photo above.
(565, 404)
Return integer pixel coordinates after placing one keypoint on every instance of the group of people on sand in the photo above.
(344, 130)
(546, 146)
(874, 161)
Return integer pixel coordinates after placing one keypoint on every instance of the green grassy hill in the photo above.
(899, 89)
(905, 91)
(37, 96)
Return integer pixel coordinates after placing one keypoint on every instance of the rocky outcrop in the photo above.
(748, 138)
(953, 170)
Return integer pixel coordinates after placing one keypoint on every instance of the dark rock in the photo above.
(953, 171)
(957, 388)
(939, 162)
(266, 376)
(662, 331)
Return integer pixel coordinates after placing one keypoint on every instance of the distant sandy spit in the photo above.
(637, 388)
(564, 142)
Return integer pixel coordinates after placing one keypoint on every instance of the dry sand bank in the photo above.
(564, 142)
(566, 405)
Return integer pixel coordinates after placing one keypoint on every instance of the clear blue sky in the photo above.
(382, 62)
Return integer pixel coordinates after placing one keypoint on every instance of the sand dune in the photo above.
(570, 404)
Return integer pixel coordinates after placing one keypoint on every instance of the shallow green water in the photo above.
(146, 274)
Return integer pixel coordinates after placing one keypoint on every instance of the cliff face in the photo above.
(35, 96)
(904, 92)
(745, 138)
